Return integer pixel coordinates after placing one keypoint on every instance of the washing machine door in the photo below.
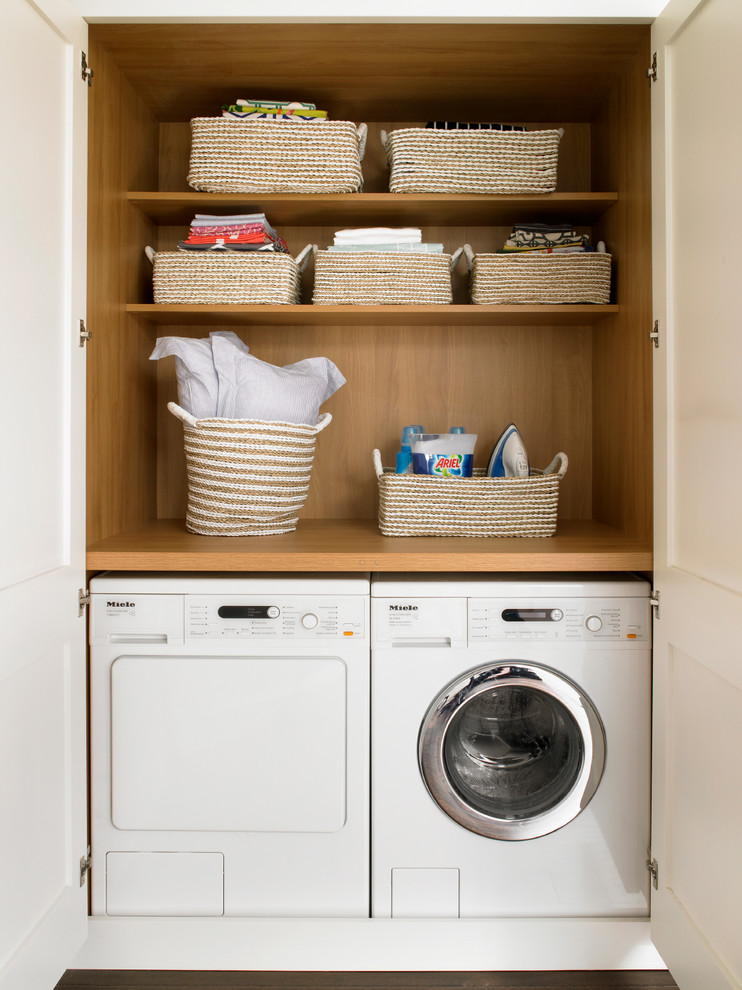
(512, 751)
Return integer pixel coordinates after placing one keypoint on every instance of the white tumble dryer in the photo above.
(510, 746)
(229, 745)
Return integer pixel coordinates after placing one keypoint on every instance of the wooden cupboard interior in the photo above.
(574, 378)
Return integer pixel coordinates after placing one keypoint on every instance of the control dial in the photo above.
(594, 623)
(309, 621)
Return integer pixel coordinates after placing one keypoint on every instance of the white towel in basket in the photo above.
(253, 389)
(198, 383)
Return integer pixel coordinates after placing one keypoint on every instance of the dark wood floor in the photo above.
(82, 979)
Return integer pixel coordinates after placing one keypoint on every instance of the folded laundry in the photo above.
(360, 235)
(383, 239)
(238, 220)
(546, 237)
(263, 114)
(425, 248)
(244, 231)
(456, 125)
(222, 245)
(277, 104)
(274, 110)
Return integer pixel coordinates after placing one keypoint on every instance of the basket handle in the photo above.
(467, 249)
(558, 466)
(362, 130)
(376, 457)
(302, 258)
(324, 420)
(456, 255)
(181, 414)
(150, 252)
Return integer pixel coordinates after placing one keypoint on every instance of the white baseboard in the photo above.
(363, 944)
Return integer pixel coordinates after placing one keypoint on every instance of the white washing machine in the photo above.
(230, 745)
(510, 746)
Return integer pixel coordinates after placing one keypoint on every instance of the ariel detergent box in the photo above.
(443, 455)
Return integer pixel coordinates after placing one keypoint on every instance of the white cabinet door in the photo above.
(43, 832)
(697, 759)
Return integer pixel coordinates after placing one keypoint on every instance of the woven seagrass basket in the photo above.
(423, 160)
(246, 477)
(378, 278)
(268, 156)
(534, 277)
(421, 505)
(240, 277)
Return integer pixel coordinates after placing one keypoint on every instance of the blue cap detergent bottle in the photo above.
(404, 456)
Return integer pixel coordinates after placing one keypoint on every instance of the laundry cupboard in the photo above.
(577, 379)
(574, 378)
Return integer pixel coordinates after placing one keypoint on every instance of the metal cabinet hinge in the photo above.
(652, 70)
(85, 864)
(654, 601)
(654, 333)
(85, 71)
(653, 870)
(83, 600)
(85, 334)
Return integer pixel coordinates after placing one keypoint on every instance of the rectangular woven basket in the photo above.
(246, 477)
(421, 505)
(268, 156)
(239, 277)
(535, 277)
(423, 160)
(378, 278)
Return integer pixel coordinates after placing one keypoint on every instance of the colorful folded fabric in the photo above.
(277, 104)
(295, 115)
(276, 110)
(546, 237)
(249, 230)
(230, 246)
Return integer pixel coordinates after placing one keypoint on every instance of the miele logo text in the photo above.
(403, 608)
(120, 605)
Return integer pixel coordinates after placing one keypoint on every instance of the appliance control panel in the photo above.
(573, 620)
(216, 617)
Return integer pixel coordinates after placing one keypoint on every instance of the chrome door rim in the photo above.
(469, 686)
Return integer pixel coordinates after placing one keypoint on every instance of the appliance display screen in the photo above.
(245, 612)
(530, 615)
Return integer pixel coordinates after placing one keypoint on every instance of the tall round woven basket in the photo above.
(246, 477)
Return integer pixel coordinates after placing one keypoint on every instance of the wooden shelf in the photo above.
(311, 316)
(357, 545)
(379, 208)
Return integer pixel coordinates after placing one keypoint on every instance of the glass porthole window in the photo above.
(512, 751)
